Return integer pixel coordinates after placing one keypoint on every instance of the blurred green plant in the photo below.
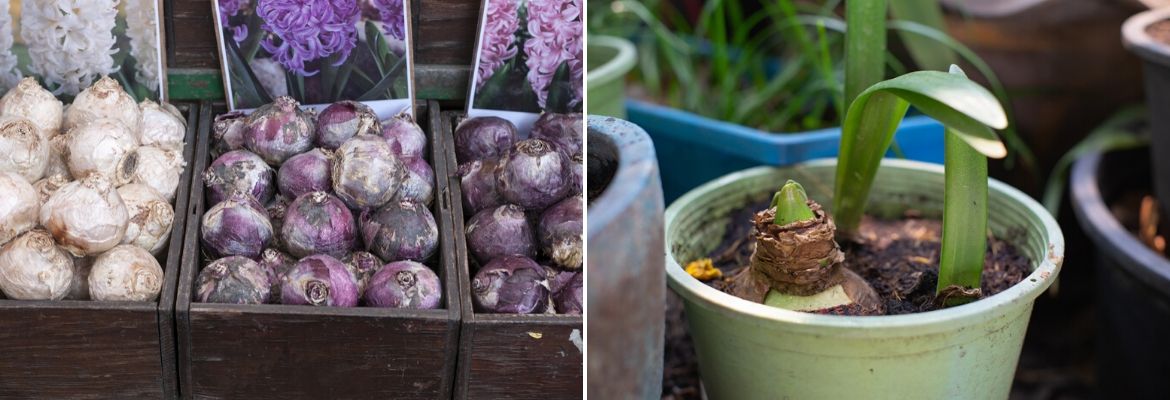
(779, 68)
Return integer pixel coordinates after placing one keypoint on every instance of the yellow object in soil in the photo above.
(703, 270)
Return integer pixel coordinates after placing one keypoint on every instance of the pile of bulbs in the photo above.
(88, 193)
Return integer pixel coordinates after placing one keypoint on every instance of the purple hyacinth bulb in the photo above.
(228, 131)
(366, 174)
(478, 183)
(308, 30)
(276, 209)
(500, 231)
(560, 232)
(362, 265)
(406, 139)
(319, 280)
(343, 120)
(239, 170)
(401, 231)
(557, 279)
(576, 175)
(275, 265)
(237, 226)
(511, 285)
(306, 172)
(568, 299)
(232, 280)
(319, 223)
(533, 175)
(279, 130)
(404, 284)
(483, 137)
(419, 185)
(563, 130)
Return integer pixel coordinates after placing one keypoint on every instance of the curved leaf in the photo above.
(967, 109)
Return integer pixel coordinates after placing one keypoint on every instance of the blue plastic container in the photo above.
(694, 149)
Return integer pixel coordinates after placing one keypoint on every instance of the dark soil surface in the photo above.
(898, 258)
(1057, 359)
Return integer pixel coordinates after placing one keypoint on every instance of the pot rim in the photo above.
(1135, 38)
(919, 323)
(618, 66)
(1107, 232)
(636, 165)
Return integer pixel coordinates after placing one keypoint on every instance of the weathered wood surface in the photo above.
(282, 352)
(496, 349)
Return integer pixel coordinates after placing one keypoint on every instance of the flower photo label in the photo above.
(122, 40)
(317, 52)
(528, 60)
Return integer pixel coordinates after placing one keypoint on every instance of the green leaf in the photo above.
(865, 45)
(964, 238)
(560, 90)
(927, 53)
(791, 203)
(964, 107)
(385, 84)
(246, 88)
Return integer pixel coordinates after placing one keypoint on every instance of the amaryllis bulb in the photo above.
(279, 130)
(87, 216)
(22, 150)
(105, 99)
(32, 267)
(31, 101)
(151, 217)
(99, 146)
(158, 168)
(19, 206)
(233, 280)
(160, 128)
(125, 273)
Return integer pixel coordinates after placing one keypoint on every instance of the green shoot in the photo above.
(969, 112)
(964, 238)
(1113, 134)
(791, 204)
(865, 45)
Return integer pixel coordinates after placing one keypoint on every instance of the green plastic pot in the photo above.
(610, 59)
(752, 351)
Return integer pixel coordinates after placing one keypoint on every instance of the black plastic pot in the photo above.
(1155, 57)
(1133, 281)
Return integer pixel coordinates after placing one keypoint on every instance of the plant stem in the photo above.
(964, 239)
(791, 204)
(865, 45)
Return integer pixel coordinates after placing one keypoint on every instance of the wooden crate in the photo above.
(98, 349)
(508, 355)
(272, 351)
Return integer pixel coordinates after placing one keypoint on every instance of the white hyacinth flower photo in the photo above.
(67, 45)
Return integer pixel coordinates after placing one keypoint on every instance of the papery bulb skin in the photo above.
(125, 273)
(319, 280)
(232, 280)
(500, 231)
(86, 217)
(343, 120)
(533, 175)
(238, 226)
(319, 223)
(483, 137)
(279, 130)
(404, 284)
(32, 267)
(239, 170)
(19, 208)
(366, 174)
(401, 231)
(406, 139)
(511, 285)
